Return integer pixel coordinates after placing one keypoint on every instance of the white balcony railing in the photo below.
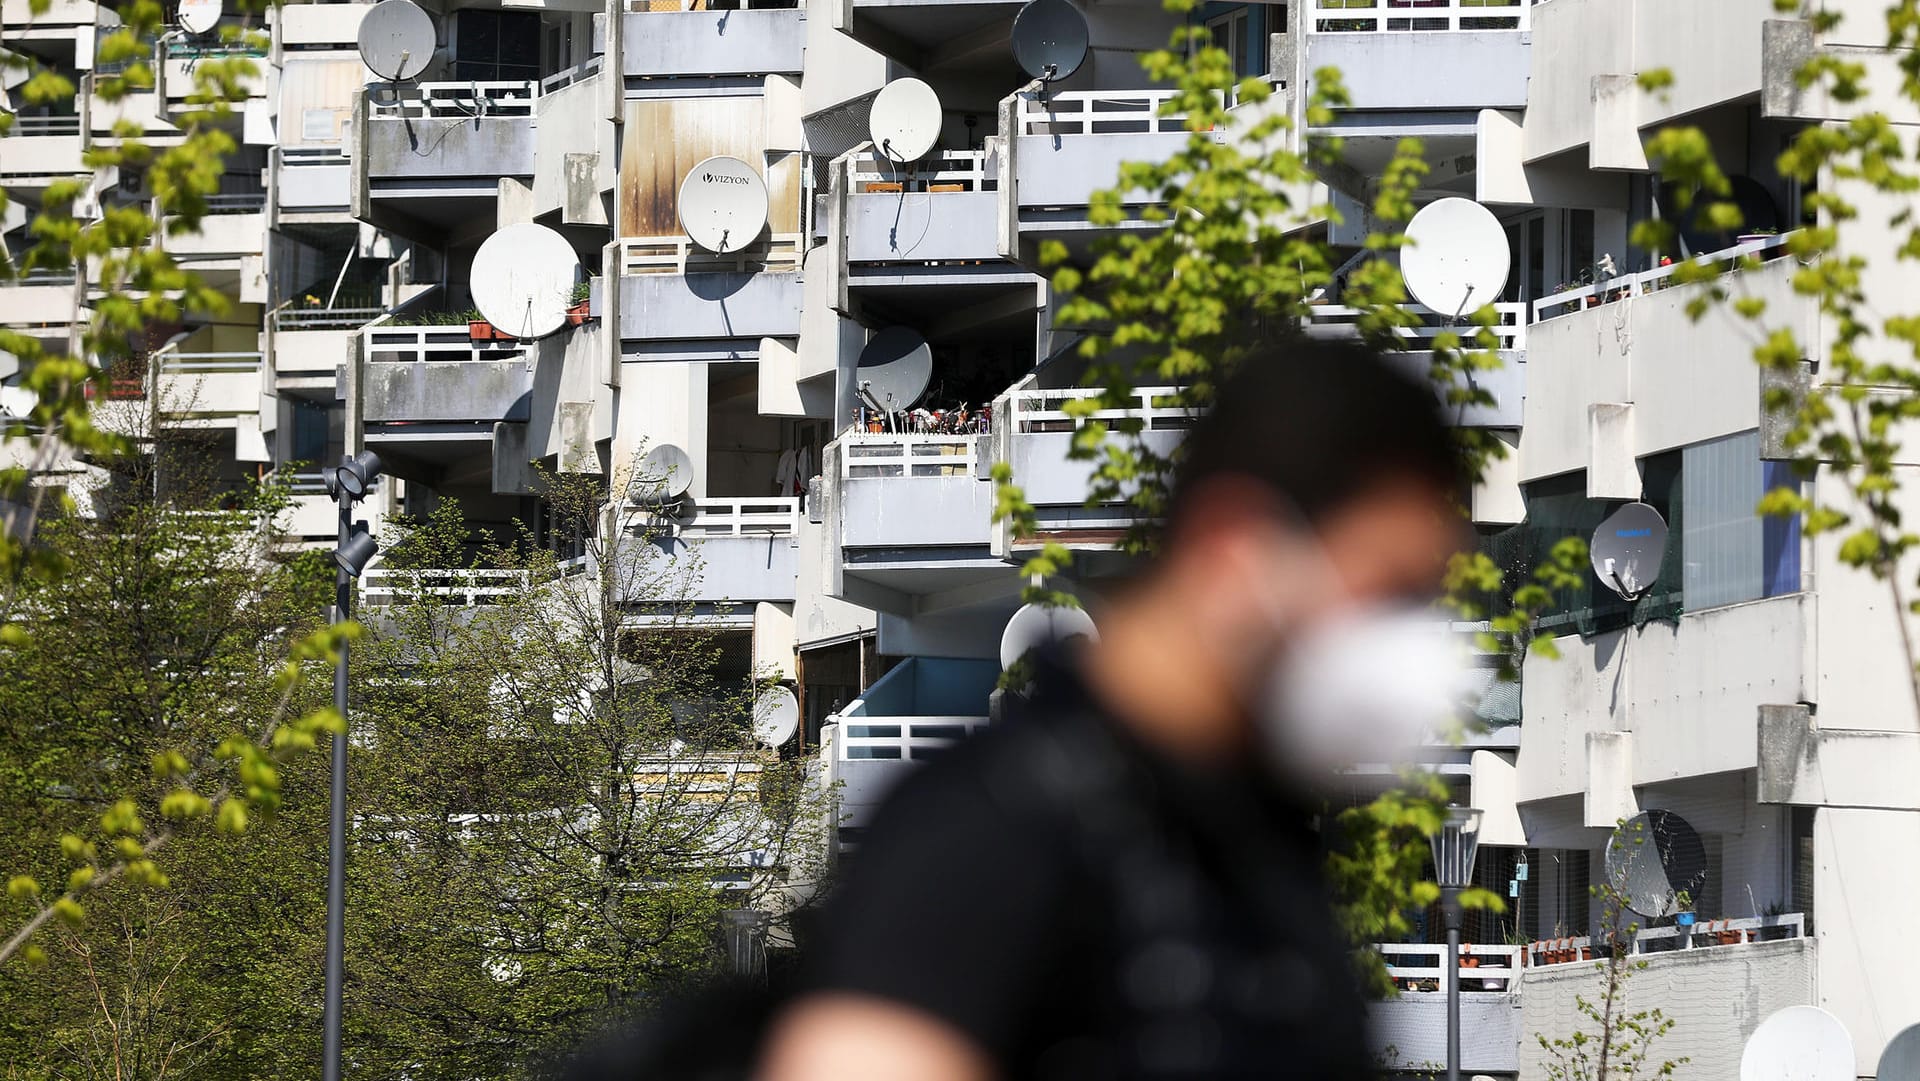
(1362, 16)
(863, 739)
(246, 202)
(774, 516)
(1419, 966)
(459, 101)
(866, 456)
(679, 255)
(381, 587)
(441, 343)
(574, 74)
(1647, 281)
(297, 319)
(207, 363)
(1036, 410)
(1511, 328)
(1704, 934)
(31, 126)
(1098, 112)
(642, 7)
(946, 171)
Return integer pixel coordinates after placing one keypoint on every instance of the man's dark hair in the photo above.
(1320, 423)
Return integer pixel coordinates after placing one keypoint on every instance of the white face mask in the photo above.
(1367, 686)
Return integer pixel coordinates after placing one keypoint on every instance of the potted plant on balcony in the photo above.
(482, 331)
(1684, 917)
(580, 310)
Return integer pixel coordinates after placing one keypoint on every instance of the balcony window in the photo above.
(496, 46)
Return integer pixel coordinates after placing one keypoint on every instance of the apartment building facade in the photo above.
(1758, 690)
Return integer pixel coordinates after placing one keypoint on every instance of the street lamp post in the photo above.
(1454, 846)
(347, 485)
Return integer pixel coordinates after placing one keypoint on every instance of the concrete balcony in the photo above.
(911, 516)
(677, 302)
(668, 38)
(734, 552)
(1033, 432)
(1409, 1032)
(920, 708)
(1058, 150)
(943, 211)
(235, 226)
(207, 390)
(41, 149)
(430, 397)
(19, 18)
(429, 158)
(1481, 45)
(175, 85)
(318, 25)
(1506, 384)
(1677, 381)
(1692, 707)
(42, 304)
(311, 184)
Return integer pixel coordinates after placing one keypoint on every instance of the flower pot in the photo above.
(482, 331)
(580, 313)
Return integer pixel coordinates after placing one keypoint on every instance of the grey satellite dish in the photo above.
(1799, 1043)
(1036, 625)
(665, 474)
(905, 120)
(200, 16)
(1628, 548)
(776, 717)
(894, 369)
(1901, 1060)
(1654, 856)
(1456, 258)
(396, 40)
(723, 204)
(522, 280)
(1050, 39)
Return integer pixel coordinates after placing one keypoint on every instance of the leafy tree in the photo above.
(1620, 1044)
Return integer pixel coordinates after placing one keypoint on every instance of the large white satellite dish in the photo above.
(1037, 625)
(396, 40)
(1799, 1043)
(200, 16)
(665, 473)
(723, 204)
(1456, 258)
(894, 369)
(776, 716)
(1901, 1060)
(523, 278)
(905, 120)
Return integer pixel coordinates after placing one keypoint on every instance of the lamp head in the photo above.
(357, 474)
(1455, 844)
(359, 550)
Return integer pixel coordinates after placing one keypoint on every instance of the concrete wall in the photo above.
(571, 122)
(319, 24)
(467, 390)
(661, 402)
(1688, 692)
(310, 352)
(948, 225)
(1716, 998)
(1483, 69)
(710, 43)
(707, 306)
(1064, 171)
(315, 187)
(842, 68)
(489, 147)
(736, 570)
(42, 155)
(890, 512)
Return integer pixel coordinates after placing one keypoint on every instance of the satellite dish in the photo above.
(1901, 1060)
(1050, 39)
(894, 369)
(1036, 625)
(522, 279)
(1800, 1043)
(1628, 548)
(1652, 857)
(665, 474)
(396, 40)
(1456, 258)
(776, 716)
(905, 120)
(200, 16)
(723, 204)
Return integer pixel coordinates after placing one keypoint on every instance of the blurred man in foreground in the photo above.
(1121, 880)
